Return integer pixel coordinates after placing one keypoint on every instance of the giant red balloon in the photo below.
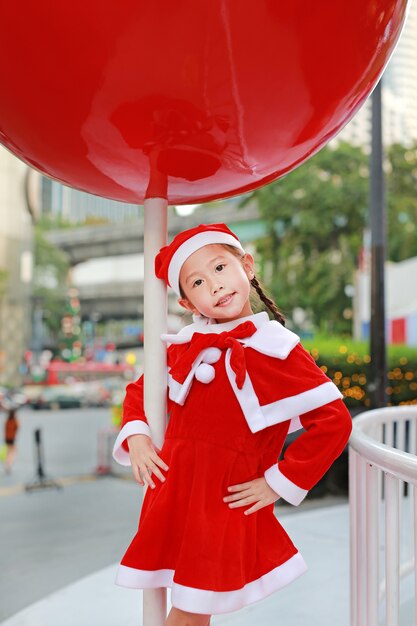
(216, 97)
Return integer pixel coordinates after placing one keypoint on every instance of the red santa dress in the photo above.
(235, 390)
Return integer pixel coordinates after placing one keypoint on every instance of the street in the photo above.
(50, 538)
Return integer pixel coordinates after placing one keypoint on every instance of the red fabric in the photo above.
(308, 458)
(133, 408)
(185, 525)
(226, 339)
(398, 331)
(274, 379)
(164, 256)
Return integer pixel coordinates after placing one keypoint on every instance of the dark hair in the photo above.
(258, 289)
(268, 302)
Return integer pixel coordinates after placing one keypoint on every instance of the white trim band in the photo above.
(273, 339)
(295, 425)
(135, 427)
(203, 326)
(292, 406)
(192, 245)
(178, 392)
(284, 487)
(259, 417)
(213, 602)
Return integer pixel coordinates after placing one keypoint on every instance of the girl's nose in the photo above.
(215, 287)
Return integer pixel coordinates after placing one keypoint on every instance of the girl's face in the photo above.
(216, 283)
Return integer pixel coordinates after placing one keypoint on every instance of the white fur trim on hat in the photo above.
(191, 245)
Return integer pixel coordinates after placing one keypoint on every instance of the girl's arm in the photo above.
(307, 459)
(134, 445)
(134, 421)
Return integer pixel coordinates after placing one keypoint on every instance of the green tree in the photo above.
(50, 279)
(402, 202)
(3, 282)
(315, 217)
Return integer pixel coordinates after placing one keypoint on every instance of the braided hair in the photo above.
(263, 297)
(268, 302)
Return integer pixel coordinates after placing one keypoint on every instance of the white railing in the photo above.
(383, 517)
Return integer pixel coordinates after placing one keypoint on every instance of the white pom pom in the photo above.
(205, 373)
(212, 355)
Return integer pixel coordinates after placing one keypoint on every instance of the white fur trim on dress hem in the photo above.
(283, 486)
(213, 602)
(135, 427)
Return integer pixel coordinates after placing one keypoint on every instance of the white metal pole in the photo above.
(361, 541)
(389, 434)
(401, 440)
(155, 388)
(392, 549)
(414, 509)
(413, 437)
(372, 544)
(353, 503)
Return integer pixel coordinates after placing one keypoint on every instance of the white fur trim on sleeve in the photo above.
(283, 486)
(135, 427)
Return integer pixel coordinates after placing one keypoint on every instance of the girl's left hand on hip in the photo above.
(256, 492)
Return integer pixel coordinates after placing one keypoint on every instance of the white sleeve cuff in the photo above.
(135, 427)
(283, 486)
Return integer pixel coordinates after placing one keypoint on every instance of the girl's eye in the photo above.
(197, 281)
(220, 265)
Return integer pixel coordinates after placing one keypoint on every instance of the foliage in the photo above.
(347, 364)
(316, 216)
(52, 222)
(94, 220)
(50, 279)
(3, 282)
(402, 202)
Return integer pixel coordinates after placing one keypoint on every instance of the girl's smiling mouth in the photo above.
(225, 299)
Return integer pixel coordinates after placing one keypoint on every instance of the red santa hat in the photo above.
(169, 260)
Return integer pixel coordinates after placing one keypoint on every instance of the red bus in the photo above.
(60, 372)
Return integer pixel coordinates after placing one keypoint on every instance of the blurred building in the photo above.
(16, 261)
(399, 95)
(400, 80)
(401, 301)
(76, 207)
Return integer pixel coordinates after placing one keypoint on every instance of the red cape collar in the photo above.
(271, 337)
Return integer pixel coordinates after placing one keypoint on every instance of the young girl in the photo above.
(237, 383)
